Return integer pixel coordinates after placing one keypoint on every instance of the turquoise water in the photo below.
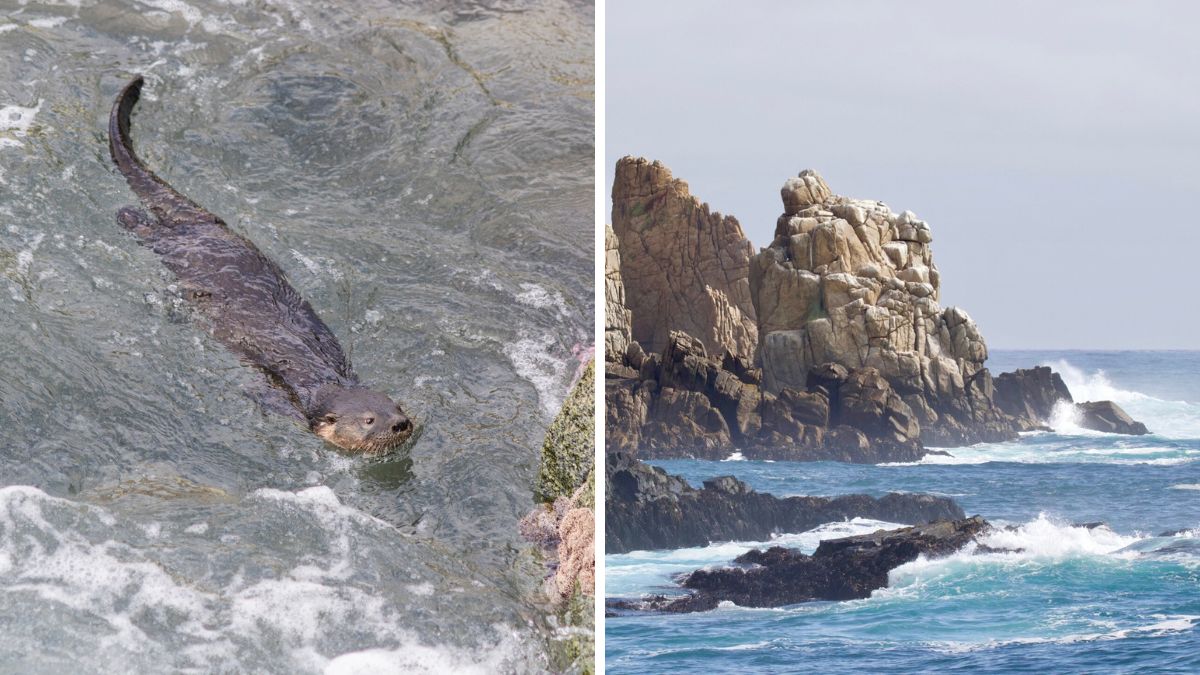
(1112, 598)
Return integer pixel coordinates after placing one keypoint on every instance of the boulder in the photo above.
(626, 409)
(1108, 417)
(1031, 393)
(686, 423)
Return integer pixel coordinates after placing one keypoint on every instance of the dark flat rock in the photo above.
(840, 569)
(647, 508)
(1108, 417)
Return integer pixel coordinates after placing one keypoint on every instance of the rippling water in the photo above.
(1121, 597)
(423, 173)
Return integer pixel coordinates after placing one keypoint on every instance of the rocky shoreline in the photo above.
(829, 344)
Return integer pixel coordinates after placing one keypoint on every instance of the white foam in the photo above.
(49, 22)
(418, 658)
(1097, 448)
(735, 456)
(15, 122)
(1164, 625)
(534, 362)
(1043, 537)
(1186, 486)
(190, 14)
(318, 265)
(1039, 541)
(1169, 419)
(533, 295)
(129, 599)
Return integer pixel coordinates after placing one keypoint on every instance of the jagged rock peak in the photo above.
(684, 266)
(850, 281)
(805, 190)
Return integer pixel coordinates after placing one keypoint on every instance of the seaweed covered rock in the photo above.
(568, 453)
(563, 526)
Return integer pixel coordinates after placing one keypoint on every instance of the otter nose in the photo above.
(401, 424)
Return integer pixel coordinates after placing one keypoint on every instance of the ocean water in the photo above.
(423, 172)
(1119, 598)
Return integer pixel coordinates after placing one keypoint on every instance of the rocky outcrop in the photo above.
(684, 267)
(840, 569)
(1108, 417)
(856, 361)
(1031, 393)
(684, 403)
(849, 281)
(647, 508)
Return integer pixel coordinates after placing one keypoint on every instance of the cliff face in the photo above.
(616, 314)
(851, 282)
(684, 267)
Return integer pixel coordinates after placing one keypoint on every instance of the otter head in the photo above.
(359, 420)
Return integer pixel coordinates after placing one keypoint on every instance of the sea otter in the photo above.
(251, 308)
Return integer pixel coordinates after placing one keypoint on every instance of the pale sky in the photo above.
(1054, 148)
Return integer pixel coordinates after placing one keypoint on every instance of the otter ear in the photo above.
(326, 420)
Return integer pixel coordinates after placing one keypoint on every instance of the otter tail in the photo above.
(154, 192)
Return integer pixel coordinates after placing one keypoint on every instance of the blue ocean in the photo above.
(1122, 597)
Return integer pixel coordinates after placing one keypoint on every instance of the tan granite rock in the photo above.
(616, 314)
(684, 267)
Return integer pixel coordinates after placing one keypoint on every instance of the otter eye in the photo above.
(369, 421)
(330, 419)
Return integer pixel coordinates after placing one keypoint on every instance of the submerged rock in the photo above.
(647, 508)
(1108, 417)
(840, 569)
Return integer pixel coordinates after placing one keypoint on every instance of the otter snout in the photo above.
(401, 423)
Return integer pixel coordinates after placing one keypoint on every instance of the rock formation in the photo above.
(1108, 417)
(684, 267)
(1031, 393)
(840, 569)
(647, 508)
(855, 360)
(849, 281)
